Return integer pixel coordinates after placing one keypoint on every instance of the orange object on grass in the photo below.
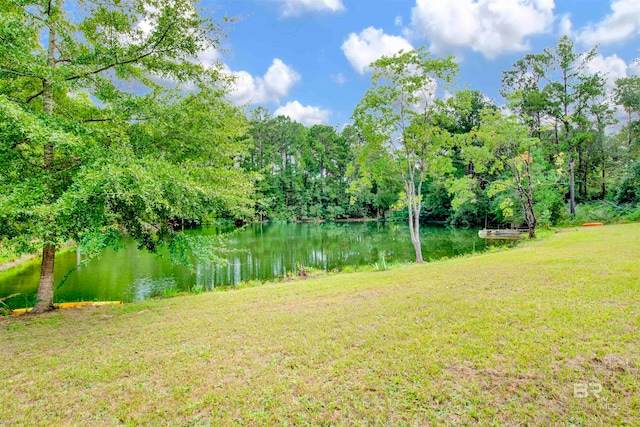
(71, 305)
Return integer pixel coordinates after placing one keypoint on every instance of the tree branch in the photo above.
(97, 120)
(18, 73)
(128, 61)
(32, 97)
(111, 65)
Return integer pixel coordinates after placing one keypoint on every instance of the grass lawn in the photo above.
(506, 338)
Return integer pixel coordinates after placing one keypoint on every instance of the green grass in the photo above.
(495, 339)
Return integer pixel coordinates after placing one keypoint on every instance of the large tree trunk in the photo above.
(44, 299)
(526, 202)
(416, 229)
(532, 232)
(418, 249)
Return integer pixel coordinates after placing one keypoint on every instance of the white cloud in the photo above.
(307, 115)
(565, 28)
(611, 67)
(208, 57)
(491, 27)
(371, 44)
(297, 7)
(340, 79)
(621, 24)
(275, 84)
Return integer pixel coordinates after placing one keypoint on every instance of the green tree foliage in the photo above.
(375, 183)
(304, 170)
(627, 95)
(523, 87)
(92, 143)
(555, 85)
(399, 114)
(512, 159)
(628, 192)
(461, 115)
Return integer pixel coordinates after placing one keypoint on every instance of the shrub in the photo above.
(628, 191)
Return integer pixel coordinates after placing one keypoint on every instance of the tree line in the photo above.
(461, 159)
(308, 173)
(470, 161)
(111, 127)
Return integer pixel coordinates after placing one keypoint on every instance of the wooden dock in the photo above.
(507, 234)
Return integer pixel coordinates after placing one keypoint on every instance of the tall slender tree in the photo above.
(523, 85)
(557, 83)
(570, 93)
(603, 117)
(627, 95)
(398, 113)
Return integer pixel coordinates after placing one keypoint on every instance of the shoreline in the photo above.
(313, 274)
(16, 262)
(23, 259)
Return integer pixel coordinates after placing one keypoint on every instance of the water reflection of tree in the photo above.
(267, 252)
(277, 250)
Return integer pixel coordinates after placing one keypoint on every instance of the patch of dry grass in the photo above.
(495, 339)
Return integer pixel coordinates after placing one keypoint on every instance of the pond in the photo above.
(264, 252)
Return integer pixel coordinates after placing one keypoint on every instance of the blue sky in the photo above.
(307, 58)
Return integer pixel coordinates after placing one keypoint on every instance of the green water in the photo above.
(267, 252)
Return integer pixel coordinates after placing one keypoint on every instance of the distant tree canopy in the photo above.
(307, 172)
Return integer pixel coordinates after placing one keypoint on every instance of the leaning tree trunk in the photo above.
(44, 299)
(532, 232)
(526, 203)
(531, 217)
